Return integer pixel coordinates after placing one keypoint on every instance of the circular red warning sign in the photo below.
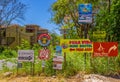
(44, 54)
(44, 39)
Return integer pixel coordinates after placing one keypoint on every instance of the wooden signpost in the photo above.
(85, 17)
(57, 62)
(44, 54)
(26, 56)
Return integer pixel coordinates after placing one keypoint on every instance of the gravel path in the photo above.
(85, 78)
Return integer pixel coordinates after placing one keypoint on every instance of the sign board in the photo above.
(109, 49)
(58, 59)
(85, 13)
(57, 66)
(76, 45)
(44, 54)
(25, 56)
(58, 49)
(43, 63)
(44, 39)
(99, 34)
(57, 62)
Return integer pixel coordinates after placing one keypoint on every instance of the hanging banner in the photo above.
(85, 13)
(44, 39)
(104, 49)
(44, 54)
(76, 45)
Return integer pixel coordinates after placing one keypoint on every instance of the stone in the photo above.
(7, 74)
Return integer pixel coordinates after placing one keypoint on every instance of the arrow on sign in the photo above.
(112, 48)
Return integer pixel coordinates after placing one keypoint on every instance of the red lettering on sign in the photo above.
(72, 49)
(44, 54)
(79, 49)
(74, 42)
(86, 42)
(88, 49)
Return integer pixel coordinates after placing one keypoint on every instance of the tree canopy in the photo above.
(65, 14)
(11, 10)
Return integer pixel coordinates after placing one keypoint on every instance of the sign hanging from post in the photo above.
(105, 49)
(85, 13)
(76, 45)
(25, 55)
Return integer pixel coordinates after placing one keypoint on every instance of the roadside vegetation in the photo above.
(75, 63)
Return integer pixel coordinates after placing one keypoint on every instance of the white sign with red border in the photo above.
(44, 54)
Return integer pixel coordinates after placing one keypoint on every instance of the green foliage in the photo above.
(2, 49)
(24, 45)
(8, 53)
(54, 38)
(75, 62)
(109, 21)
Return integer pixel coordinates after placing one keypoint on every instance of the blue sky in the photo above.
(38, 13)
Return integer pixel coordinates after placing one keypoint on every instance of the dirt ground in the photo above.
(77, 78)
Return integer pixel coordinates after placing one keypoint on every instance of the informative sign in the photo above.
(76, 45)
(85, 13)
(58, 58)
(99, 34)
(44, 39)
(44, 54)
(105, 49)
(58, 50)
(57, 62)
(43, 63)
(25, 55)
(57, 66)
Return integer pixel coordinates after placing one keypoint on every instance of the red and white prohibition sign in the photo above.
(44, 54)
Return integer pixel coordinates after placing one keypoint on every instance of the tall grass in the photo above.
(75, 62)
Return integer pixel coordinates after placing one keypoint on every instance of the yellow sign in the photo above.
(76, 45)
(99, 34)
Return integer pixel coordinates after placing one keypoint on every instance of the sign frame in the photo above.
(44, 36)
(25, 55)
(85, 13)
(105, 49)
(76, 45)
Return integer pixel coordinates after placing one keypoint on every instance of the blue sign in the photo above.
(85, 13)
(58, 49)
(85, 9)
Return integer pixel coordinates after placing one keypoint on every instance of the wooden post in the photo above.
(33, 65)
(43, 65)
(17, 67)
(85, 35)
(64, 52)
